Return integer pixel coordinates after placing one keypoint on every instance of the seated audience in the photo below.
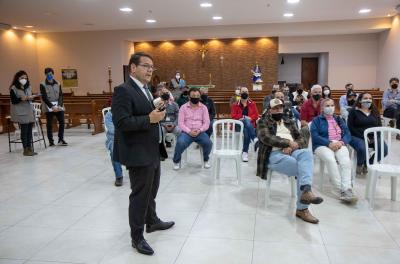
(391, 102)
(365, 115)
(347, 101)
(330, 137)
(170, 122)
(311, 108)
(209, 103)
(108, 123)
(326, 92)
(246, 111)
(284, 150)
(194, 121)
(184, 97)
(21, 109)
(268, 98)
(235, 98)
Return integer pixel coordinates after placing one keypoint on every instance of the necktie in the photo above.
(148, 94)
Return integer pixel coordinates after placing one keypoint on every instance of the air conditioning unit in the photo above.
(5, 26)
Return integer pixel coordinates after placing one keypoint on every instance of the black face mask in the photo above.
(299, 91)
(316, 97)
(204, 97)
(273, 91)
(244, 95)
(351, 102)
(185, 93)
(277, 116)
(194, 100)
(394, 86)
(165, 96)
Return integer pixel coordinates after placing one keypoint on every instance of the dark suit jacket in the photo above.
(136, 140)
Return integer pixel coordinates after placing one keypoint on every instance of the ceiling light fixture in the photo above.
(217, 17)
(151, 21)
(364, 11)
(206, 5)
(125, 9)
(288, 15)
(29, 26)
(293, 1)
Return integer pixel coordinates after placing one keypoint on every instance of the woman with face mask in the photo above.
(326, 92)
(330, 137)
(21, 109)
(364, 115)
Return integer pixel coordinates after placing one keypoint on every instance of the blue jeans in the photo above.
(117, 167)
(300, 164)
(359, 145)
(249, 133)
(184, 141)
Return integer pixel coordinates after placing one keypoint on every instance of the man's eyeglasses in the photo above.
(148, 67)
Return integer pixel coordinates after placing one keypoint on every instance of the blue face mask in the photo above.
(49, 77)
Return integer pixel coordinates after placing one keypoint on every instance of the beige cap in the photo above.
(275, 102)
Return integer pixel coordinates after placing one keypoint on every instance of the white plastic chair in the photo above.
(292, 181)
(386, 166)
(230, 146)
(104, 112)
(184, 158)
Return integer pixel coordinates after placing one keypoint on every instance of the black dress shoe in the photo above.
(159, 226)
(119, 181)
(142, 247)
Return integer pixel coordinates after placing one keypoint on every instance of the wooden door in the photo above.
(309, 72)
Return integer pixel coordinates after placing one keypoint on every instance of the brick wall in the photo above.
(229, 61)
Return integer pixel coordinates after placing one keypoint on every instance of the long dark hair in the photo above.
(16, 82)
(373, 108)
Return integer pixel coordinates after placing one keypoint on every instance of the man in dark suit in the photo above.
(137, 145)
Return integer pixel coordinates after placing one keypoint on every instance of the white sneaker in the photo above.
(245, 156)
(207, 165)
(177, 166)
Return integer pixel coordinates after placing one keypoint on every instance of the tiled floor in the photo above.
(61, 207)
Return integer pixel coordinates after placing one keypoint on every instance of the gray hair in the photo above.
(315, 86)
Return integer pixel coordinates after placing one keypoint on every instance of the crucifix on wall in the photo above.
(203, 51)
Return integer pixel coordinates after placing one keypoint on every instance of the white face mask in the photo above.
(178, 76)
(23, 81)
(329, 110)
(326, 92)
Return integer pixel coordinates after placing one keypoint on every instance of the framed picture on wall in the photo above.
(69, 78)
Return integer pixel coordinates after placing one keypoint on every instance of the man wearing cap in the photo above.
(283, 149)
(347, 101)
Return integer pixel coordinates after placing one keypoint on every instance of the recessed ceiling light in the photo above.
(293, 1)
(206, 5)
(34, 31)
(364, 11)
(288, 15)
(217, 17)
(151, 20)
(29, 26)
(14, 27)
(125, 9)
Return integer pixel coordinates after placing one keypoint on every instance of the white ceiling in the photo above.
(72, 15)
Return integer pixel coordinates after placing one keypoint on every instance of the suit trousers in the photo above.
(142, 200)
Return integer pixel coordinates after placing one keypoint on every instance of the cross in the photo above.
(203, 51)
